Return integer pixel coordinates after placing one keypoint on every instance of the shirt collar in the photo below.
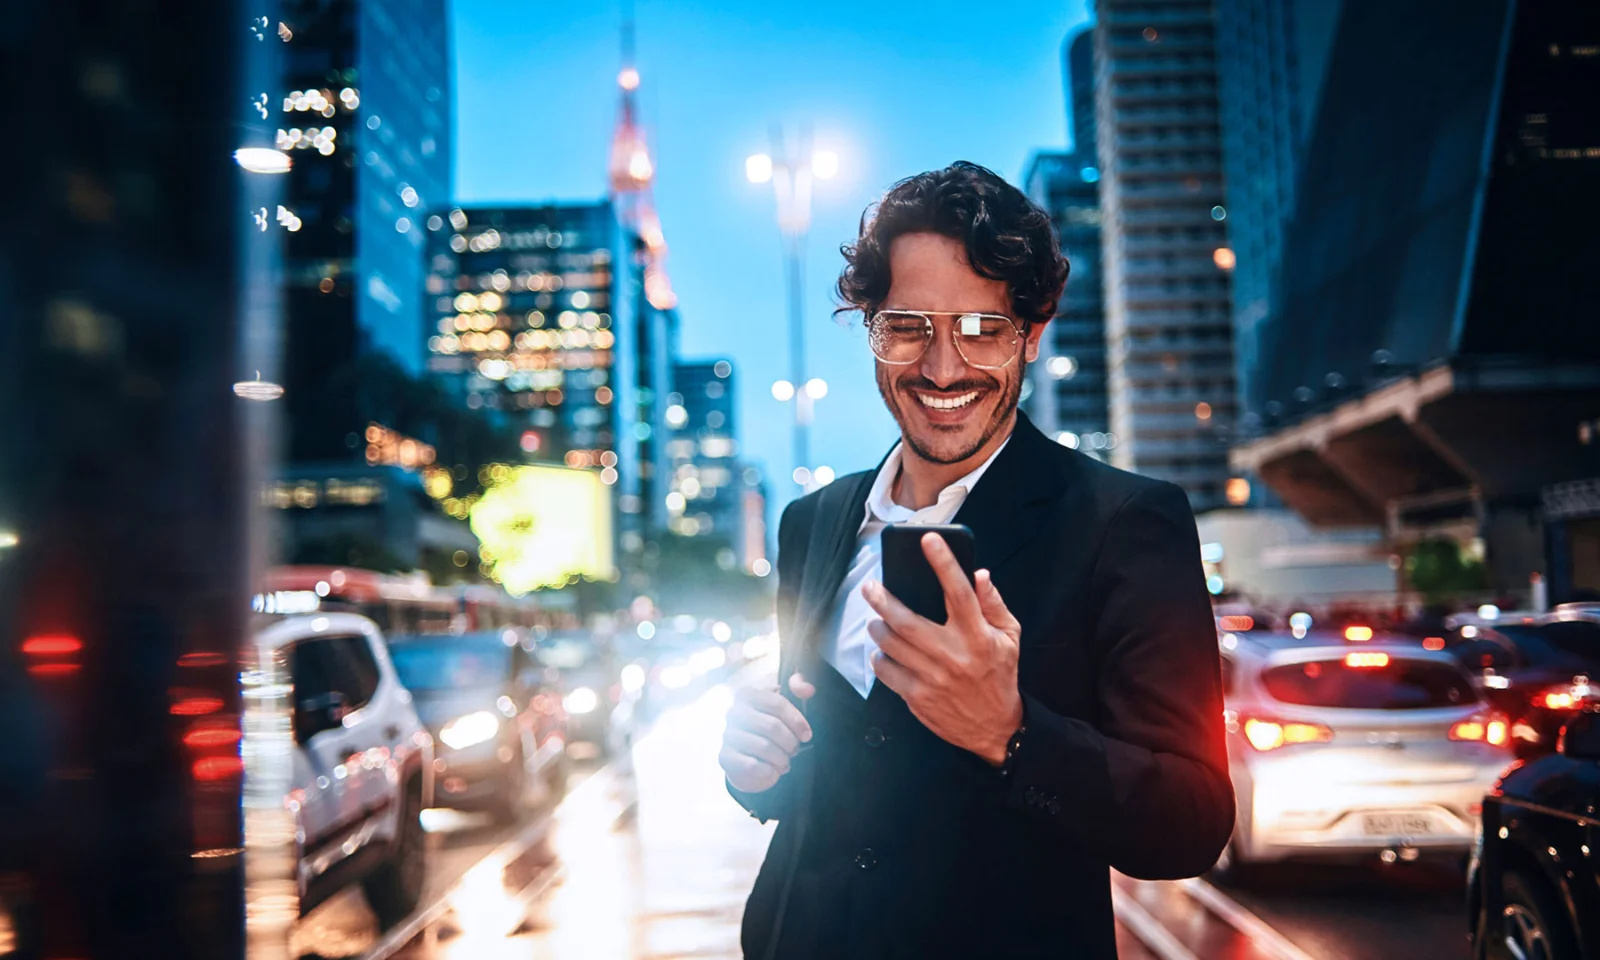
(880, 500)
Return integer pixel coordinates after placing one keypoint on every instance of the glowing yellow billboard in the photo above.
(540, 525)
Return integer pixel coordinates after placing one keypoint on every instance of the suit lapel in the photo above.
(1000, 509)
(832, 543)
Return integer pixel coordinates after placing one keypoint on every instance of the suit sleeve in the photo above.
(1146, 786)
(771, 804)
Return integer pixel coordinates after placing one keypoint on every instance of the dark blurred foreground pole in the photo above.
(137, 283)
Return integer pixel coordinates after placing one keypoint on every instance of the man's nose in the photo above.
(942, 364)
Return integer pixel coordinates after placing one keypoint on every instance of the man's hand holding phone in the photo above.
(765, 731)
(959, 677)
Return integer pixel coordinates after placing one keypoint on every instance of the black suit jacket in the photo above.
(893, 843)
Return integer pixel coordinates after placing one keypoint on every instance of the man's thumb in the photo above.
(800, 688)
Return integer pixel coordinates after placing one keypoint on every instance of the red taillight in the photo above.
(196, 706)
(1433, 643)
(1358, 634)
(51, 645)
(1367, 660)
(1267, 735)
(211, 769)
(52, 669)
(202, 660)
(212, 737)
(1492, 730)
(1568, 696)
(1557, 700)
(1236, 623)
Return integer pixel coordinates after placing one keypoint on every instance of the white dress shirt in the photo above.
(848, 647)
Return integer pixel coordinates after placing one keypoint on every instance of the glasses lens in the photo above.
(986, 340)
(899, 337)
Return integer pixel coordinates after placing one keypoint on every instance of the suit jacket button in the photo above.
(1055, 805)
(866, 859)
(1032, 796)
(874, 737)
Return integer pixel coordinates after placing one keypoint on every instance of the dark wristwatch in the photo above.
(1012, 746)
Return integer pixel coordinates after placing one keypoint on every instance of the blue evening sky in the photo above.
(893, 87)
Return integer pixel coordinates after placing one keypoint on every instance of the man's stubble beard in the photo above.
(1002, 412)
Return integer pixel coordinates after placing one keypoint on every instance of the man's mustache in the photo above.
(953, 389)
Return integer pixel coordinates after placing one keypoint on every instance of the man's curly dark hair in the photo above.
(1007, 238)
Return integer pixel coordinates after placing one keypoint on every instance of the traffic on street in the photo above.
(645, 855)
(647, 480)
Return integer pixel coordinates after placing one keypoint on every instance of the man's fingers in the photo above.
(749, 774)
(800, 687)
(895, 676)
(900, 649)
(771, 703)
(899, 618)
(768, 727)
(959, 600)
(994, 608)
(751, 745)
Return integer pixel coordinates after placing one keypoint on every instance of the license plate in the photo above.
(1396, 824)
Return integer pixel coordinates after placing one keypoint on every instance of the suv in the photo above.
(1533, 887)
(363, 764)
(1537, 670)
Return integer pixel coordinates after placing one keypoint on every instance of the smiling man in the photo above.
(962, 789)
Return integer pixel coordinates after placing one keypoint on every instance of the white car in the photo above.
(1351, 750)
(363, 763)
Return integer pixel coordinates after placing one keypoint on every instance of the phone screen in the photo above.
(909, 576)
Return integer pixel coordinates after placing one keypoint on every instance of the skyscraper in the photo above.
(1433, 357)
(364, 111)
(533, 319)
(1068, 398)
(1168, 301)
(1271, 59)
(1077, 65)
(706, 476)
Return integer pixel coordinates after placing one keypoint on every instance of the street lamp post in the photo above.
(791, 176)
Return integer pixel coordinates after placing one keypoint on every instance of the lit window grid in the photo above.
(551, 330)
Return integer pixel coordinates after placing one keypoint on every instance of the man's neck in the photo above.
(921, 481)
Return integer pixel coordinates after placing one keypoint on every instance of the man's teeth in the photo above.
(947, 403)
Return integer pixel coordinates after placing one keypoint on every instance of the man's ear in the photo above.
(1035, 334)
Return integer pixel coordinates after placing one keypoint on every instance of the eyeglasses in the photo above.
(987, 341)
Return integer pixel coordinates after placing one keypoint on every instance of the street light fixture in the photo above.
(791, 176)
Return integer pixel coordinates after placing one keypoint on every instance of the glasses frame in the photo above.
(955, 341)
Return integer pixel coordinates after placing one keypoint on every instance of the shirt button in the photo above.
(866, 859)
(874, 737)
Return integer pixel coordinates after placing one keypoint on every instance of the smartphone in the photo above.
(909, 576)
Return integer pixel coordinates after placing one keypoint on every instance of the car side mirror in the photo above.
(1581, 737)
(316, 714)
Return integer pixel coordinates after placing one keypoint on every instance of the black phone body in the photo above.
(909, 576)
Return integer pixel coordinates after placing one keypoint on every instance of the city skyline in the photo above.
(861, 92)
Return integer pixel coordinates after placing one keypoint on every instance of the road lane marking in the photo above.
(1147, 928)
(1261, 933)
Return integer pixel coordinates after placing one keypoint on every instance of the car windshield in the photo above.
(1401, 684)
(464, 663)
(1573, 644)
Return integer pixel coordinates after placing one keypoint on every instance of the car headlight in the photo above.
(470, 729)
(581, 700)
(633, 678)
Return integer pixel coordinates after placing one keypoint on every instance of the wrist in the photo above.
(999, 750)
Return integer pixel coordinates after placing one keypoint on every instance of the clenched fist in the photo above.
(764, 732)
